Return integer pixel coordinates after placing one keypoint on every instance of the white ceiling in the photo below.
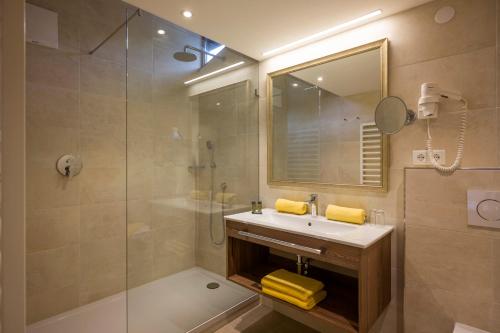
(255, 26)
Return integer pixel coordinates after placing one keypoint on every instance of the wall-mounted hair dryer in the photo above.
(391, 115)
(428, 106)
(430, 97)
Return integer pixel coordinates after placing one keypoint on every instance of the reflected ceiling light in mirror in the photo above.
(295, 85)
(323, 33)
(187, 13)
(161, 32)
(223, 69)
(320, 79)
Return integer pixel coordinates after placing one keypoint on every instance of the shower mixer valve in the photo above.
(69, 165)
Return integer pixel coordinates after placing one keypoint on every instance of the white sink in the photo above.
(318, 227)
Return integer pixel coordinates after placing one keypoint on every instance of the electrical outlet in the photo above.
(420, 157)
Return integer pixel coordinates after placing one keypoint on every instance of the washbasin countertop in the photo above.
(361, 236)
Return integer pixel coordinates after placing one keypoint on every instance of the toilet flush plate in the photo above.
(483, 208)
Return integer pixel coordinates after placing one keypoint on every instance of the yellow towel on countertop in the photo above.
(293, 207)
(306, 305)
(345, 214)
(227, 197)
(298, 286)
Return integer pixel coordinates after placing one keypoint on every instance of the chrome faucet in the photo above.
(313, 204)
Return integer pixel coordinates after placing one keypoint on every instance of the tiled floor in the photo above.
(263, 319)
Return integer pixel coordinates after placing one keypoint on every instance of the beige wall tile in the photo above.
(433, 256)
(102, 77)
(52, 269)
(102, 185)
(51, 302)
(103, 148)
(496, 272)
(139, 259)
(51, 107)
(50, 67)
(415, 37)
(495, 318)
(63, 8)
(140, 212)
(103, 268)
(470, 73)
(102, 112)
(52, 228)
(46, 144)
(49, 189)
(424, 207)
(105, 11)
(139, 85)
(102, 221)
(450, 268)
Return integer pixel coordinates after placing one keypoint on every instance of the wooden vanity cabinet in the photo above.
(356, 296)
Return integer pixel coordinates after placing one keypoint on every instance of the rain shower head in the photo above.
(186, 56)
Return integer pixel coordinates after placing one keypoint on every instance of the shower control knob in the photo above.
(69, 165)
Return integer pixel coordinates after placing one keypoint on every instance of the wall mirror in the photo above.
(321, 121)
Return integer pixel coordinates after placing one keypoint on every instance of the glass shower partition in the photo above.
(192, 156)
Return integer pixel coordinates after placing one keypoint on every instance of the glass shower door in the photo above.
(191, 157)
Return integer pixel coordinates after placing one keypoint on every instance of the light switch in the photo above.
(483, 208)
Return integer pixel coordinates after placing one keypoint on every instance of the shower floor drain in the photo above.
(213, 285)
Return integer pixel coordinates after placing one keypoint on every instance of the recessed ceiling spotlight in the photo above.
(323, 33)
(161, 32)
(295, 84)
(320, 79)
(217, 104)
(187, 13)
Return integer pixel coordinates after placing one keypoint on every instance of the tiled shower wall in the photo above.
(460, 55)
(1, 33)
(229, 118)
(452, 271)
(75, 104)
(76, 229)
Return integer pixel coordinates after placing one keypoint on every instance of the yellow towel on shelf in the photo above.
(298, 286)
(345, 214)
(306, 305)
(199, 195)
(226, 197)
(293, 207)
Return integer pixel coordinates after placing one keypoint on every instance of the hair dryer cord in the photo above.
(460, 146)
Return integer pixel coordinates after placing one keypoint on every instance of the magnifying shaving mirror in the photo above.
(391, 115)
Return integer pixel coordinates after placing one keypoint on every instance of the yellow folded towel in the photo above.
(226, 197)
(199, 195)
(293, 207)
(306, 305)
(345, 214)
(295, 285)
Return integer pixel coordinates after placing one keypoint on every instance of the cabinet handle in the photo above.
(280, 242)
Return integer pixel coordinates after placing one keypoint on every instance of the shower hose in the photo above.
(212, 237)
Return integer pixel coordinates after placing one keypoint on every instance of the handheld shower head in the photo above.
(210, 145)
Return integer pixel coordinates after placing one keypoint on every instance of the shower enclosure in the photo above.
(168, 148)
(191, 158)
